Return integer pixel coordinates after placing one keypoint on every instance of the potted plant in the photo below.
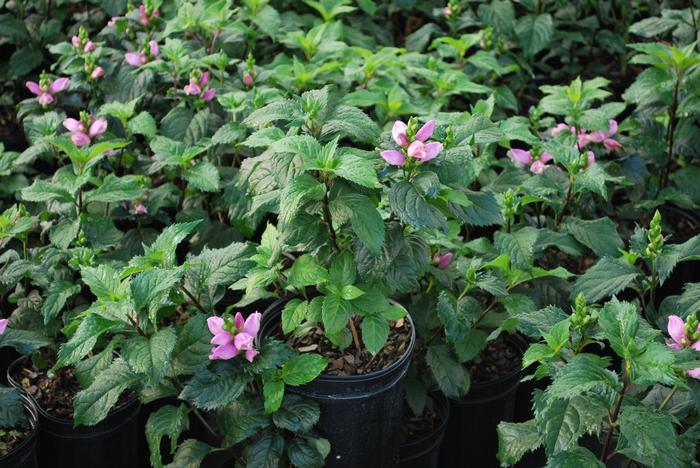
(19, 425)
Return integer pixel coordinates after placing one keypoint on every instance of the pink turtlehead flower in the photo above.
(248, 79)
(562, 127)
(89, 46)
(144, 17)
(520, 157)
(113, 21)
(398, 133)
(82, 134)
(3, 325)
(137, 59)
(538, 167)
(75, 40)
(393, 157)
(153, 47)
(192, 89)
(47, 92)
(442, 261)
(140, 209)
(676, 330)
(98, 72)
(229, 343)
(416, 149)
(447, 11)
(197, 88)
(424, 151)
(426, 131)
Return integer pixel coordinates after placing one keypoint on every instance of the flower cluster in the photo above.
(524, 158)
(198, 86)
(231, 336)
(412, 143)
(86, 129)
(584, 138)
(147, 14)
(47, 89)
(149, 53)
(685, 335)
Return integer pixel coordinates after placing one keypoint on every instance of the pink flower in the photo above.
(538, 167)
(75, 40)
(612, 145)
(82, 133)
(248, 79)
(591, 158)
(89, 46)
(393, 157)
(234, 336)
(442, 261)
(677, 329)
(192, 89)
(447, 11)
(153, 47)
(519, 156)
(562, 127)
(209, 94)
(134, 59)
(98, 72)
(426, 131)
(424, 152)
(398, 133)
(204, 78)
(113, 21)
(144, 17)
(3, 325)
(140, 209)
(545, 157)
(48, 89)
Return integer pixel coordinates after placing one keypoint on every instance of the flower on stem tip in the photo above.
(86, 129)
(196, 87)
(231, 336)
(412, 143)
(524, 158)
(442, 261)
(145, 15)
(3, 325)
(137, 59)
(47, 89)
(584, 138)
(685, 335)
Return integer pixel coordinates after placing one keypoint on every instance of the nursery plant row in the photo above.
(349, 233)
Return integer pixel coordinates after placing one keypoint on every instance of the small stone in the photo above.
(309, 348)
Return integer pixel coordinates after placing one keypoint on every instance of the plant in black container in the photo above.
(19, 425)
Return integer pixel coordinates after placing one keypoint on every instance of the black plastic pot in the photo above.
(24, 455)
(112, 443)
(360, 414)
(424, 451)
(8, 355)
(471, 431)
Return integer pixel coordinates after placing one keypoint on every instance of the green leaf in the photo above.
(358, 170)
(649, 437)
(42, 190)
(621, 325)
(575, 458)
(65, 232)
(450, 375)
(300, 191)
(193, 346)
(365, 219)
(606, 278)
(411, 207)
(515, 440)
(302, 369)
(352, 123)
(115, 189)
(582, 373)
(306, 271)
(203, 176)
(600, 235)
(534, 33)
(215, 388)
(190, 454)
(273, 392)
(336, 313)
(265, 451)
(537, 352)
(483, 210)
(143, 124)
(240, 420)
(59, 292)
(375, 332)
(92, 405)
(561, 422)
(87, 370)
(104, 282)
(151, 356)
(84, 339)
(297, 414)
(293, 314)
(518, 245)
(151, 288)
(11, 408)
(343, 270)
(169, 421)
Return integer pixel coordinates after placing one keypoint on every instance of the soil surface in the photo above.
(413, 427)
(55, 394)
(11, 438)
(350, 361)
(498, 359)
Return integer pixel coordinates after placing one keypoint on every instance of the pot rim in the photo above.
(518, 341)
(272, 308)
(444, 402)
(33, 418)
(53, 418)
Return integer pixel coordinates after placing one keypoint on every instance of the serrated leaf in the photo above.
(151, 356)
(375, 332)
(84, 338)
(203, 176)
(606, 278)
(92, 405)
(301, 190)
(336, 314)
(215, 388)
(306, 271)
(450, 375)
(297, 414)
(169, 421)
(518, 245)
(115, 189)
(411, 207)
(302, 369)
(358, 170)
(59, 292)
(515, 440)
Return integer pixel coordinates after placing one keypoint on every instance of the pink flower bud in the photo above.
(140, 209)
(192, 89)
(209, 94)
(97, 128)
(80, 139)
(45, 99)
(153, 46)
(426, 131)
(75, 40)
(98, 72)
(538, 167)
(89, 46)
(3, 325)
(248, 79)
(443, 261)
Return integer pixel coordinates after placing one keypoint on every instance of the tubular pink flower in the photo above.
(562, 127)
(545, 157)
(612, 145)
(252, 324)
(424, 152)
(98, 72)
(59, 85)
(398, 133)
(676, 327)
(443, 261)
(133, 59)
(75, 40)
(153, 47)
(97, 128)
(192, 89)
(113, 21)
(34, 87)
(538, 167)
(80, 139)
(393, 157)
(583, 139)
(426, 131)
(520, 156)
(89, 46)
(143, 18)
(613, 127)
(140, 209)
(209, 94)
(74, 125)
(46, 99)
(228, 344)
(597, 137)
(248, 79)
(204, 78)
(3, 325)
(591, 158)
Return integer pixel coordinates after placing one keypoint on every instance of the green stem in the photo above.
(668, 398)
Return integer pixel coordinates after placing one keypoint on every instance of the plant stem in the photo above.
(355, 337)
(329, 220)
(615, 415)
(671, 129)
(194, 300)
(654, 280)
(560, 216)
(668, 398)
